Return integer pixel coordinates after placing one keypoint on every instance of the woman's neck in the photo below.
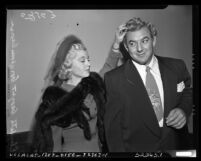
(74, 81)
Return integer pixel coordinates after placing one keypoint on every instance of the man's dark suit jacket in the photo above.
(130, 121)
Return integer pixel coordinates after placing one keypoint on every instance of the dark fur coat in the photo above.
(61, 108)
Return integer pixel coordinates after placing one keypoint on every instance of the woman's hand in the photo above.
(119, 35)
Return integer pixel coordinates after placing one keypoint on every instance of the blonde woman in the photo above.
(70, 115)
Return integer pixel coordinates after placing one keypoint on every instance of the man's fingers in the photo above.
(180, 124)
(172, 116)
(176, 118)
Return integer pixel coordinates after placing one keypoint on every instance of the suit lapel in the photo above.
(144, 107)
(169, 88)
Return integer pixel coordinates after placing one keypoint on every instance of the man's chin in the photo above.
(140, 62)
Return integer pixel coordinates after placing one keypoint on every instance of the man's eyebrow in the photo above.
(146, 37)
(132, 41)
(83, 57)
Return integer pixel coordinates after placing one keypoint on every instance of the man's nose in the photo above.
(139, 47)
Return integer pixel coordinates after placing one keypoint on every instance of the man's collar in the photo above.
(152, 63)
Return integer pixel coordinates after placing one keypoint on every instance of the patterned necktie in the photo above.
(154, 95)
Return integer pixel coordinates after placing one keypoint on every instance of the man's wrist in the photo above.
(115, 46)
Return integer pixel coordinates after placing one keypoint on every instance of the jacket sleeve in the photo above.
(113, 118)
(111, 62)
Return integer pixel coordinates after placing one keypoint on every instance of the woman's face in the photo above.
(80, 64)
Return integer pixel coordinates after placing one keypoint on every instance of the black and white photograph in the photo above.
(100, 82)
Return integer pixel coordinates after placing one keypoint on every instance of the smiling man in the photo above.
(149, 98)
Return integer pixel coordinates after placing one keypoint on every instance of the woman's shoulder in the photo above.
(95, 75)
(53, 91)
